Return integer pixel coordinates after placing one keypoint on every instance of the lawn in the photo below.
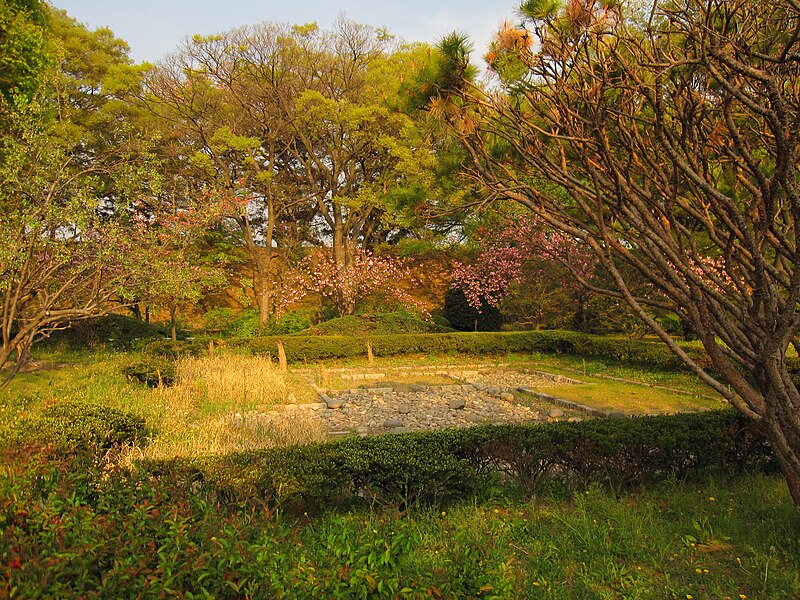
(114, 526)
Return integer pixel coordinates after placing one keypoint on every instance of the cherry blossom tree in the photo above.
(344, 285)
(489, 278)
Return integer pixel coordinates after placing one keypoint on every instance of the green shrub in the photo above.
(292, 322)
(151, 370)
(464, 317)
(115, 331)
(74, 426)
(245, 325)
(312, 348)
(219, 318)
(397, 322)
(438, 465)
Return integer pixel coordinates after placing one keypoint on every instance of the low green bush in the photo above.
(77, 426)
(151, 370)
(312, 348)
(444, 464)
(114, 331)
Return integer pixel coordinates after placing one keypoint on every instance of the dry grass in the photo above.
(223, 381)
(223, 404)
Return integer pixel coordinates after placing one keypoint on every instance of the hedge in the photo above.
(313, 348)
(438, 465)
(76, 427)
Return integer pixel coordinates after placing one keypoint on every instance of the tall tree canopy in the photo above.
(73, 181)
(296, 129)
(672, 140)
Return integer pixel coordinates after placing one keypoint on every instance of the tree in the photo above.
(367, 273)
(74, 241)
(672, 137)
(525, 249)
(296, 126)
(23, 49)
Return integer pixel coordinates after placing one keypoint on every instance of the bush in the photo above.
(116, 331)
(219, 318)
(151, 370)
(396, 322)
(74, 426)
(246, 324)
(292, 322)
(438, 465)
(464, 317)
(313, 348)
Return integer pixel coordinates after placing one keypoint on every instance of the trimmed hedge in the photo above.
(439, 465)
(77, 426)
(312, 348)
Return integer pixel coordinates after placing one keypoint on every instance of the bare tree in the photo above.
(669, 144)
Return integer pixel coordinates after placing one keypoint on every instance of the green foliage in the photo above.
(115, 331)
(396, 322)
(311, 348)
(76, 426)
(218, 318)
(464, 317)
(154, 371)
(292, 321)
(24, 55)
(246, 324)
(175, 349)
(444, 464)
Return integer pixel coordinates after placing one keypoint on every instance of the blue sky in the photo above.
(154, 28)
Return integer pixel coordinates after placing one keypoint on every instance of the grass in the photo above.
(217, 405)
(726, 540)
(111, 528)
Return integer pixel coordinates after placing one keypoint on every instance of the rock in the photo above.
(556, 413)
(494, 390)
(457, 404)
(617, 415)
(480, 386)
(403, 409)
(507, 396)
(334, 403)
(393, 423)
(476, 419)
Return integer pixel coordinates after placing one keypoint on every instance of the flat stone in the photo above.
(476, 419)
(556, 413)
(334, 403)
(393, 423)
(508, 397)
(479, 386)
(403, 409)
(617, 415)
(457, 404)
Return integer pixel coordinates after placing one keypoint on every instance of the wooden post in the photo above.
(370, 356)
(323, 372)
(283, 364)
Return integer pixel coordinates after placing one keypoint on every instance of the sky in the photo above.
(154, 28)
